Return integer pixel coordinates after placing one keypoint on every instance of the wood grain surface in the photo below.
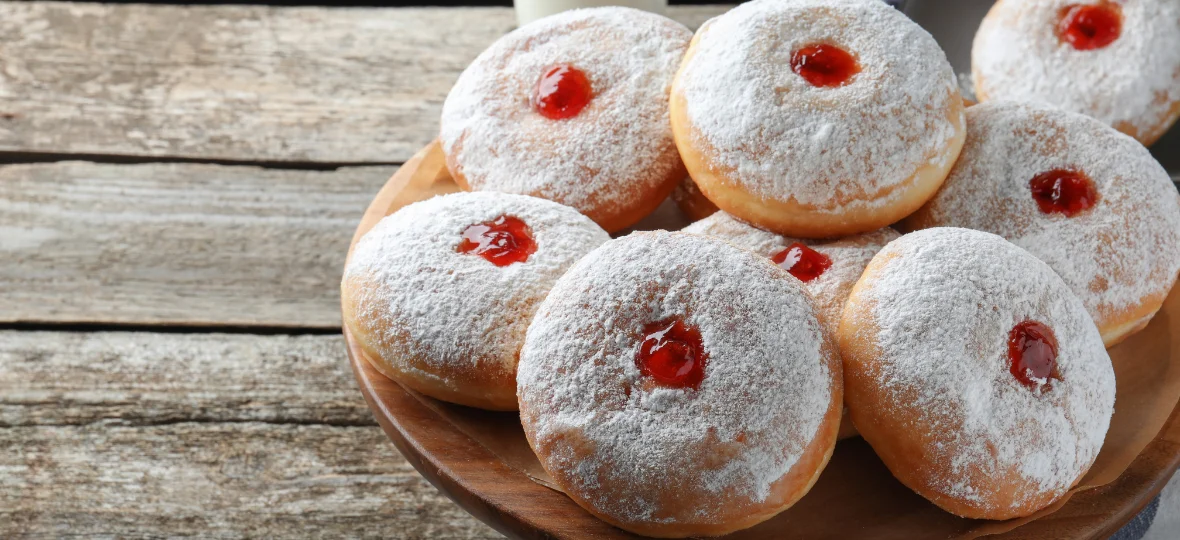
(177, 243)
(143, 379)
(239, 83)
(122, 434)
(175, 434)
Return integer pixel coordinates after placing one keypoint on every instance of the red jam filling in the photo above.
(825, 66)
(1062, 191)
(562, 92)
(1032, 353)
(1088, 27)
(673, 354)
(802, 262)
(502, 241)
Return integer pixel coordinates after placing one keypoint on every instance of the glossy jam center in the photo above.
(1032, 353)
(802, 262)
(562, 92)
(1062, 191)
(1089, 27)
(673, 354)
(824, 65)
(502, 241)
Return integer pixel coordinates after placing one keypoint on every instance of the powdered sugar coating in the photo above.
(831, 148)
(434, 311)
(849, 257)
(1131, 84)
(602, 161)
(942, 302)
(1113, 256)
(681, 455)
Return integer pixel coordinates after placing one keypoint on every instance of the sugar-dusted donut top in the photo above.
(943, 303)
(830, 290)
(447, 308)
(1113, 255)
(766, 389)
(1132, 82)
(616, 149)
(783, 138)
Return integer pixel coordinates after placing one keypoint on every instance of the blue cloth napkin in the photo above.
(1137, 528)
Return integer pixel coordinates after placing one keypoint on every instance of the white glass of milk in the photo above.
(528, 11)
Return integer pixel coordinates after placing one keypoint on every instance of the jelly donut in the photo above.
(1117, 61)
(816, 118)
(439, 294)
(572, 108)
(827, 268)
(676, 385)
(974, 373)
(1086, 199)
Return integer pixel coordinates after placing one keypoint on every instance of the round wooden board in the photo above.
(443, 442)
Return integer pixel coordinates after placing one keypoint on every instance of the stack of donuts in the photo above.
(694, 383)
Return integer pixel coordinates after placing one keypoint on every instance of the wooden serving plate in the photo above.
(481, 459)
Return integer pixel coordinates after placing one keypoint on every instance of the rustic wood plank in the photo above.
(178, 243)
(246, 83)
(217, 436)
(141, 379)
(217, 481)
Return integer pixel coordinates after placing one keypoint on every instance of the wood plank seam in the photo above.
(186, 421)
(238, 83)
(8, 157)
(167, 328)
(177, 244)
(149, 435)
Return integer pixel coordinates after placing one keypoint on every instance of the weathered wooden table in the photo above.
(178, 189)
(178, 186)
